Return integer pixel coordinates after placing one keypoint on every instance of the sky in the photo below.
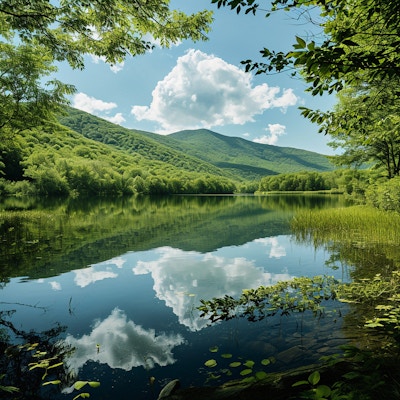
(203, 84)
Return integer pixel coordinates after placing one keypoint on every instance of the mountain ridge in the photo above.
(200, 149)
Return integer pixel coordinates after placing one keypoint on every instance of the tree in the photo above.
(24, 103)
(34, 34)
(111, 29)
(358, 35)
(365, 123)
(358, 50)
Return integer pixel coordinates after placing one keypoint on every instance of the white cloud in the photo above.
(119, 66)
(116, 119)
(97, 107)
(203, 91)
(275, 131)
(86, 276)
(120, 343)
(91, 105)
(181, 279)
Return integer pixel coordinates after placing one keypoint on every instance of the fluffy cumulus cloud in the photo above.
(274, 132)
(203, 91)
(122, 344)
(98, 107)
(181, 279)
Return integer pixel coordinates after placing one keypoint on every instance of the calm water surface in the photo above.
(122, 279)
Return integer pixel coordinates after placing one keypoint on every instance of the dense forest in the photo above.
(85, 155)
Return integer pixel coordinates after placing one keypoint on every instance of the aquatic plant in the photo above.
(297, 295)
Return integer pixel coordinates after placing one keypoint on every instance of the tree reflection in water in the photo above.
(27, 360)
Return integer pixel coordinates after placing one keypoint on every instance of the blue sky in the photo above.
(203, 85)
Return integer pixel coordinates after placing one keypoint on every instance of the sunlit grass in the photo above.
(351, 224)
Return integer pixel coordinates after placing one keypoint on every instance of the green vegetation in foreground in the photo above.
(372, 323)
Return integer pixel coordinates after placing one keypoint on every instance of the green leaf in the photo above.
(249, 363)
(351, 375)
(78, 385)
(249, 379)
(210, 363)
(94, 384)
(247, 371)
(56, 382)
(227, 355)
(323, 391)
(260, 375)
(213, 349)
(235, 364)
(56, 365)
(301, 42)
(299, 383)
(266, 361)
(314, 378)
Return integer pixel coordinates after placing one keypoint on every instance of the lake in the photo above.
(117, 283)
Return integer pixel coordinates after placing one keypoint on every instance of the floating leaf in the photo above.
(322, 391)
(261, 375)
(247, 371)
(226, 355)
(210, 363)
(94, 384)
(235, 364)
(56, 365)
(78, 385)
(266, 361)
(57, 382)
(299, 383)
(213, 377)
(249, 379)
(213, 349)
(249, 363)
(314, 378)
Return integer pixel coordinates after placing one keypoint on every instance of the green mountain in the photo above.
(248, 159)
(86, 155)
(201, 150)
(137, 143)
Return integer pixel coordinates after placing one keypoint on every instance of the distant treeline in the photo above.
(346, 181)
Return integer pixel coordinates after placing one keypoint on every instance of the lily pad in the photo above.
(235, 364)
(210, 363)
(246, 371)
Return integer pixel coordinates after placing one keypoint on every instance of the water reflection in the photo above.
(120, 343)
(86, 276)
(181, 279)
(128, 276)
(277, 250)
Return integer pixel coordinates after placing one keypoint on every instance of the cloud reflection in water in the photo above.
(182, 278)
(123, 344)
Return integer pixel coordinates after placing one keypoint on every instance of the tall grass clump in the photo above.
(351, 224)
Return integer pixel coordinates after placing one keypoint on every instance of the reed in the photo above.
(356, 224)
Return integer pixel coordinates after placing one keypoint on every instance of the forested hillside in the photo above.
(53, 160)
(248, 159)
(200, 150)
(86, 155)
